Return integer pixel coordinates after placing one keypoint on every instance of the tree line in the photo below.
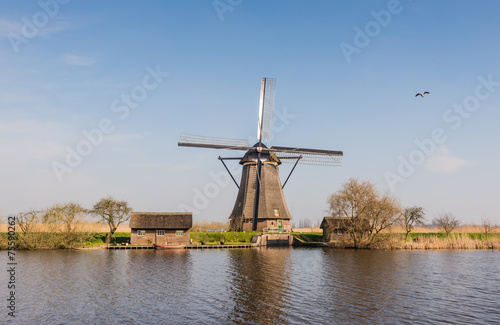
(62, 225)
(363, 212)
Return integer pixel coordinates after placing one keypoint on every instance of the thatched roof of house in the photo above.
(161, 220)
(332, 222)
(341, 223)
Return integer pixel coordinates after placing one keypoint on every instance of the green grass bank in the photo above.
(35, 241)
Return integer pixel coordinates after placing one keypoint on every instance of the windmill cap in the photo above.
(252, 155)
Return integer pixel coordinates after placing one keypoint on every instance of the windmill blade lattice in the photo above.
(191, 140)
(309, 156)
(268, 89)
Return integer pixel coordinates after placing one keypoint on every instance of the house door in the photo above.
(280, 225)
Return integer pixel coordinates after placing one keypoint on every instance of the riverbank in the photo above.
(453, 241)
(426, 241)
(386, 241)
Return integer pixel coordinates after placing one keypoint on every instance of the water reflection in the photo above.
(259, 283)
(363, 284)
(256, 286)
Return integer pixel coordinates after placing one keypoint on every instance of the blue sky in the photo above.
(134, 75)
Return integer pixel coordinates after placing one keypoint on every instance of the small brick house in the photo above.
(334, 229)
(160, 228)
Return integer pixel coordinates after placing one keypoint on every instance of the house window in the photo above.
(276, 212)
(160, 233)
(272, 223)
(141, 232)
(179, 232)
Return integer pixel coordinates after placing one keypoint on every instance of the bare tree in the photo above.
(27, 220)
(411, 217)
(488, 226)
(447, 222)
(35, 234)
(112, 213)
(363, 210)
(69, 215)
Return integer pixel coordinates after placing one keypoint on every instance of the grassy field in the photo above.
(120, 238)
(228, 237)
(309, 236)
(209, 238)
(421, 240)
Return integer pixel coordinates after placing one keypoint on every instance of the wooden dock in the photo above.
(221, 246)
(130, 247)
(187, 246)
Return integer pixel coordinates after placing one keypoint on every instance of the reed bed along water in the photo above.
(434, 229)
(456, 241)
(438, 241)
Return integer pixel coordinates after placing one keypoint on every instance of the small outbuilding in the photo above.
(160, 228)
(334, 229)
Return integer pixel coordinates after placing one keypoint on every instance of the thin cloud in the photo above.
(9, 27)
(20, 97)
(150, 165)
(30, 140)
(443, 162)
(78, 60)
(50, 29)
(125, 137)
(32, 129)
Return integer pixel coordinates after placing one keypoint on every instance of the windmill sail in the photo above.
(316, 157)
(310, 159)
(266, 108)
(191, 140)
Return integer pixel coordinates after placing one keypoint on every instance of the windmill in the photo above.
(260, 202)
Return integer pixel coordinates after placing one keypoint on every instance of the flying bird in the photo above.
(421, 94)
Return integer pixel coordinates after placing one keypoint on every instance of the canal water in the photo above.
(254, 286)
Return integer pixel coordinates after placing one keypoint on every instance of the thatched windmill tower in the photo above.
(260, 203)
